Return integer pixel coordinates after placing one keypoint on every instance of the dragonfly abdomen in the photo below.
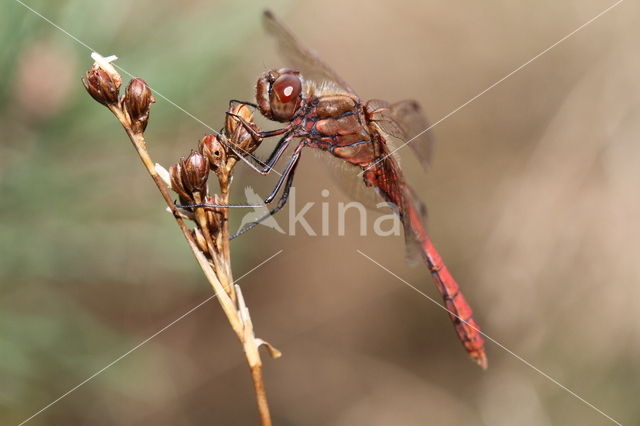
(459, 310)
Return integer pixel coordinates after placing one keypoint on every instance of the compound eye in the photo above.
(287, 87)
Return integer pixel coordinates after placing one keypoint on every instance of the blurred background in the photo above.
(533, 201)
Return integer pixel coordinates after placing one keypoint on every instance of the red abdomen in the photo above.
(459, 310)
(387, 178)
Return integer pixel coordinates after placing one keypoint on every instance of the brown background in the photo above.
(533, 200)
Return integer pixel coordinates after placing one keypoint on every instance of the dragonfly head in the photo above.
(279, 94)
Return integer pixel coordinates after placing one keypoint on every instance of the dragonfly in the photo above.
(321, 111)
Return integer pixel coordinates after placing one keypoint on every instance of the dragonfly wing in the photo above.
(380, 112)
(389, 188)
(414, 251)
(298, 56)
(406, 121)
(414, 122)
(348, 179)
(392, 188)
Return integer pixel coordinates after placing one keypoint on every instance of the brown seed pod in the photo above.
(194, 173)
(190, 175)
(214, 215)
(137, 102)
(232, 123)
(239, 136)
(102, 86)
(175, 172)
(211, 147)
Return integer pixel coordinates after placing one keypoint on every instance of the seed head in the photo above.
(236, 131)
(211, 147)
(137, 102)
(175, 173)
(215, 216)
(195, 172)
(190, 175)
(102, 86)
(232, 123)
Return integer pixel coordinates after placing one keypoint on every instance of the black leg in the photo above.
(275, 155)
(281, 202)
(287, 173)
(236, 101)
(253, 132)
(291, 164)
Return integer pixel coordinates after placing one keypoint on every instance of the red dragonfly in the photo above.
(323, 112)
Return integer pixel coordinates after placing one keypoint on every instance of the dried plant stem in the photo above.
(261, 394)
(228, 295)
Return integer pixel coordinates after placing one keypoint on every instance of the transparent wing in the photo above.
(298, 56)
(406, 121)
(390, 188)
(347, 178)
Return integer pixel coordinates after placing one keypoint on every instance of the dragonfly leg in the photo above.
(236, 101)
(256, 134)
(290, 171)
(281, 180)
(267, 167)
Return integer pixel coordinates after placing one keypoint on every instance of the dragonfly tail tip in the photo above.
(480, 359)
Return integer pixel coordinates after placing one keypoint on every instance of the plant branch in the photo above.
(137, 139)
(209, 241)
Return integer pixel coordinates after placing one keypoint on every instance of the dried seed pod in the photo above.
(232, 123)
(194, 173)
(239, 136)
(214, 215)
(102, 86)
(137, 102)
(175, 172)
(211, 147)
